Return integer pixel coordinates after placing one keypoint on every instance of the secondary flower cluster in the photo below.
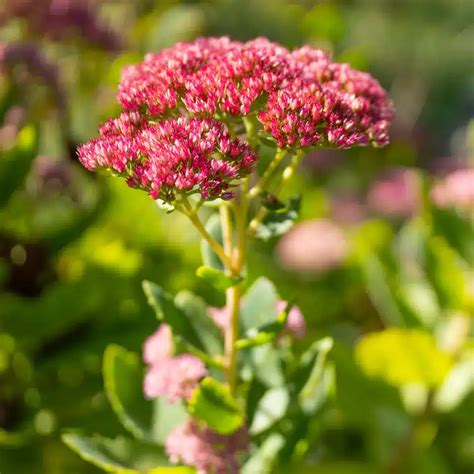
(171, 136)
(206, 450)
(173, 377)
(170, 156)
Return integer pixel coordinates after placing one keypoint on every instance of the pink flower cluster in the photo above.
(171, 137)
(295, 323)
(207, 451)
(315, 245)
(170, 156)
(396, 194)
(173, 377)
(58, 19)
(456, 190)
(302, 97)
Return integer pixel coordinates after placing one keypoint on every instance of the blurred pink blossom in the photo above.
(456, 189)
(206, 450)
(158, 346)
(295, 324)
(396, 194)
(174, 378)
(312, 246)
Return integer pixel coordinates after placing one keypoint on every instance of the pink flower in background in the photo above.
(396, 194)
(295, 324)
(347, 209)
(174, 378)
(207, 451)
(456, 189)
(312, 246)
(158, 346)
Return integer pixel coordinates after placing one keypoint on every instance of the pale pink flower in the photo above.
(295, 324)
(312, 246)
(396, 194)
(219, 316)
(174, 378)
(455, 190)
(206, 450)
(158, 346)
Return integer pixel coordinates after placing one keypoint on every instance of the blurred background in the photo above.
(74, 247)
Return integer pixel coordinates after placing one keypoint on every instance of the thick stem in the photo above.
(234, 293)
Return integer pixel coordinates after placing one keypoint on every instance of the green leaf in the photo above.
(264, 459)
(209, 257)
(123, 380)
(266, 333)
(280, 221)
(213, 403)
(271, 408)
(195, 309)
(403, 356)
(16, 162)
(119, 455)
(167, 311)
(166, 416)
(259, 305)
(216, 278)
(264, 362)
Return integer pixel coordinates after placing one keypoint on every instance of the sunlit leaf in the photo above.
(403, 356)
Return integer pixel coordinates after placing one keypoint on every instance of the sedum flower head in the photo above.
(180, 130)
(206, 450)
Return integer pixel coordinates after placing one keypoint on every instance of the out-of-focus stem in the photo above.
(267, 175)
(286, 176)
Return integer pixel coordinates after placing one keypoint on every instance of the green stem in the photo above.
(286, 176)
(191, 214)
(268, 174)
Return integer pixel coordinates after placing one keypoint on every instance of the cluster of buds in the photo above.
(179, 131)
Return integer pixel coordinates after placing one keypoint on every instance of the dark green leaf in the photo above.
(280, 221)
(213, 403)
(123, 381)
(167, 311)
(195, 310)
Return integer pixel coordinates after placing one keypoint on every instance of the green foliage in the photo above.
(403, 356)
(279, 220)
(213, 403)
(216, 278)
(123, 376)
(120, 455)
(15, 162)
